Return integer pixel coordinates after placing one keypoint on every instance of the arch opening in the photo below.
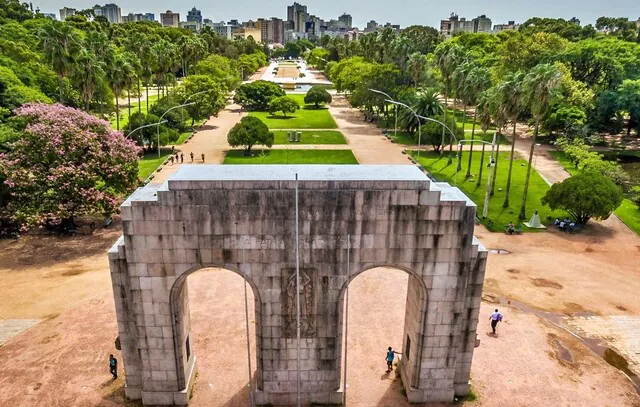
(208, 319)
(387, 307)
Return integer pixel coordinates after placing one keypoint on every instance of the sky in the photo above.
(403, 12)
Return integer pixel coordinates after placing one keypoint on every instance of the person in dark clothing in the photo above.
(181, 158)
(202, 155)
(113, 366)
(191, 154)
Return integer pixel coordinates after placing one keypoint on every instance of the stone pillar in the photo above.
(126, 311)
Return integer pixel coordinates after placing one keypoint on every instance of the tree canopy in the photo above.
(249, 132)
(585, 196)
(257, 95)
(317, 96)
(67, 163)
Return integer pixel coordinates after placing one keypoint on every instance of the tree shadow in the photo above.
(207, 127)
(40, 248)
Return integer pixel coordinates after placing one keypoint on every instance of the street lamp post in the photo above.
(162, 117)
(417, 117)
(395, 108)
(144, 127)
(487, 193)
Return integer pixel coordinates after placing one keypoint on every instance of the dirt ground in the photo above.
(62, 361)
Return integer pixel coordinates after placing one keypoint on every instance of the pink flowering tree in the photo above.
(67, 164)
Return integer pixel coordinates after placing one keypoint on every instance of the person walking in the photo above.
(113, 366)
(191, 154)
(171, 159)
(202, 155)
(181, 158)
(389, 358)
(495, 317)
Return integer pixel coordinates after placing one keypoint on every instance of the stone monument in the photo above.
(242, 218)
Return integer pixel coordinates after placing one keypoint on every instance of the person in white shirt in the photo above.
(495, 318)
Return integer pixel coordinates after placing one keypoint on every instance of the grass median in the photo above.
(291, 157)
(497, 216)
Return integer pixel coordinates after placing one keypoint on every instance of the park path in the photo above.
(210, 140)
(364, 139)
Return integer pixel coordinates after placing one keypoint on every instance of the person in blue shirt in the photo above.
(113, 366)
(389, 358)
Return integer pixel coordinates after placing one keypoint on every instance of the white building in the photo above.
(111, 12)
(66, 12)
(194, 26)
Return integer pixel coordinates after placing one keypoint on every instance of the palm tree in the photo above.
(463, 91)
(186, 46)
(483, 110)
(89, 77)
(162, 61)
(425, 104)
(133, 66)
(511, 95)
(448, 56)
(478, 80)
(60, 44)
(500, 118)
(117, 72)
(539, 87)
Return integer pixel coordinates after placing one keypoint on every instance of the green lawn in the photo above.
(498, 216)
(124, 110)
(312, 137)
(291, 157)
(628, 212)
(405, 138)
(307, 117)
(148, 164)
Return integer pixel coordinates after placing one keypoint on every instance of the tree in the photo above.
(292, 50)
(510, 97)
(425, 103)
(432, 134)
(67, 163)
(257, 95)
(478, 80)
(117, 74)
(88, 78)
(540, 87)
(60, 44)
(249, 132)
(585, 196)
(317, 96)
(629, 93)
(205, 104)
(284, 104)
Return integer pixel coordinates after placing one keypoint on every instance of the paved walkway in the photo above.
(365, 139)
(619, 332)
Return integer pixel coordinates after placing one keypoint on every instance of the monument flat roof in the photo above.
(308, 172)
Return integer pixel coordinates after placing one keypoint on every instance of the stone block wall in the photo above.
(248, 226)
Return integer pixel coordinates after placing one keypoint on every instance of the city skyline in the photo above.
(413, 11)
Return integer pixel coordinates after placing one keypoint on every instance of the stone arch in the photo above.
(418, 290)
(178, 298)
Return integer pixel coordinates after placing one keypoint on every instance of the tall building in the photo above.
(275, 31)
(191, 26)
(149, 17)
(511, 25)
(112, 13)
(170, 19)
(371, 26)
(346, 20)
(456, 24)
(297, 13)
(481, 24)
(50, 15)
(194, 15)
(66, 12)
